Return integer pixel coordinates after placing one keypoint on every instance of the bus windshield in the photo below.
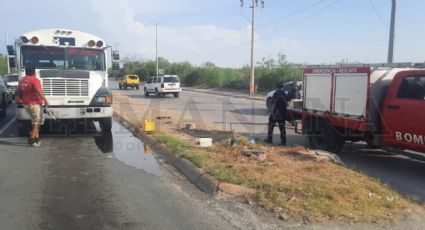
(46, 57)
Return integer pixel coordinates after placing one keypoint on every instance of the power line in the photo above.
(293, 13)
(258, 27)
(268, 36)
(378, 14)
(271, 35)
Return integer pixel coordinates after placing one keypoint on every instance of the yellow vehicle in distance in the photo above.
(129, 80)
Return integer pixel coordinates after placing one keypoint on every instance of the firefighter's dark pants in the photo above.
(272, 124)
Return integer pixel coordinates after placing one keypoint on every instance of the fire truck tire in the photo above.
(106, 124)
(325, 137)
(24, 128)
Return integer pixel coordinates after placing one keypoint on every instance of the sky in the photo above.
(219, 31)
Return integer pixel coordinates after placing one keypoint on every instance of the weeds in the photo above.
(306, 189)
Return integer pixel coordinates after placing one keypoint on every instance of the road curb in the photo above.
(224, 94)
(195, 175)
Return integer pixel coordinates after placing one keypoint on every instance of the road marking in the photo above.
(7, 126)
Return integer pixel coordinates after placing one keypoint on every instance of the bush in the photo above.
(210, 76)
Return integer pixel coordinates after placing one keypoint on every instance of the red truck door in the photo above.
(403, 112)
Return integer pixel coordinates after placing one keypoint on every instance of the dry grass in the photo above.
(299, 187)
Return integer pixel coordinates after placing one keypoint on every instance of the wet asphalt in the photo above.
(94, 180)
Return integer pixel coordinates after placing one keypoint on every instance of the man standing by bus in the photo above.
(31, 96)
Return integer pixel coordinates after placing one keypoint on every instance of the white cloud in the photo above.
(194, 43)
(174, 6)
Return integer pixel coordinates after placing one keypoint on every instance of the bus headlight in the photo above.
(25, 39)
(91, 43)
(34, 40)
(103, 100)
(100, 100)
(99, 43)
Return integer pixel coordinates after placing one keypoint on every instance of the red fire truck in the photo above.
(381, 105)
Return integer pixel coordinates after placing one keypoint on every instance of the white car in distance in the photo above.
(163, 85)
(286, 87)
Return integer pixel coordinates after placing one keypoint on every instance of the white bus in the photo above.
(72, 68)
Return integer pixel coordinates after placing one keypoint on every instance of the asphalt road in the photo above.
(94, 180)
(404, 174)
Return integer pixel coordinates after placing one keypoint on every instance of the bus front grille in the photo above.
(65, 87)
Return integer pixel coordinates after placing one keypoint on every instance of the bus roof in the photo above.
(62, 37)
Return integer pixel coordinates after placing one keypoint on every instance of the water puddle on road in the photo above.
(129, 149)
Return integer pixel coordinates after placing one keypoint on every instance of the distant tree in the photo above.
(208, 64)
(268, 72)
(281, 60)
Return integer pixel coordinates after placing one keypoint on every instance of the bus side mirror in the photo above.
(115, 65)
(11, 55)
(12, 62)
(10, 50)
(115, 55)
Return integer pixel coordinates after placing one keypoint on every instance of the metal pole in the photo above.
(252, 78)
(392, 32)
(156, 49)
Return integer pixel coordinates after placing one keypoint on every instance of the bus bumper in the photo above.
(69, 113)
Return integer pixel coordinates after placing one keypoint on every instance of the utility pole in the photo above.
(156, 48)
(392, 32)
(252, 77)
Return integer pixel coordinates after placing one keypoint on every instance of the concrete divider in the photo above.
(195, 175)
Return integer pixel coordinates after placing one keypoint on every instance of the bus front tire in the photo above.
(106, 124)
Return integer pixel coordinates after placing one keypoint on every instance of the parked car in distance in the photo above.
(286, 87)
(5, 97)
(130, 80)
(163, 85)
(12, 81)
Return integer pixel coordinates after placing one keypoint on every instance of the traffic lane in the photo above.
(6, 129)
(78, 182)
(22, 174)
(404, 174)
(246, 115)
(226, 113)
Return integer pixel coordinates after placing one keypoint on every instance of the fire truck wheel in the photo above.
(106, 124)
(325, 137)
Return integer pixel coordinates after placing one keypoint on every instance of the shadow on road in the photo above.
(402, 173)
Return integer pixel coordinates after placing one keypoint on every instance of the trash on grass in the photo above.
(205, 142)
